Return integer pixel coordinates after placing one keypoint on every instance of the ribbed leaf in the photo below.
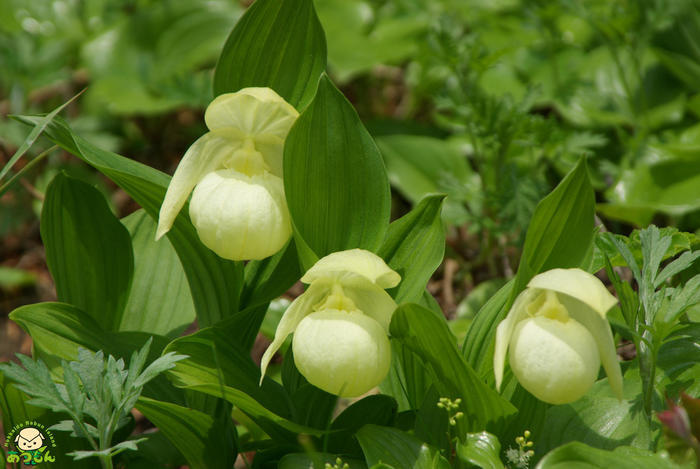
(160, 301)
(219, 366)
(215, 283)
(276, 43)
(582, 456)
(196, 435)
(398, 449)
(427, 335)
(334, 177)
(87, 250)
(59, 329)
(414, 247)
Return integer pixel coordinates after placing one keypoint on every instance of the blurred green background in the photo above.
(490, 102)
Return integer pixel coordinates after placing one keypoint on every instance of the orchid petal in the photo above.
(578, 284)
(301, 307)
(358, 261)
(369, 298)
(599, 328)
(207, 154)
(505, 329)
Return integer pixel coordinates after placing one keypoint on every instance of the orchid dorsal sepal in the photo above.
(556, 335)
(245, 202)
(346, 308)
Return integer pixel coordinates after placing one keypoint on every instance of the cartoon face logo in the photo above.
(29, 439)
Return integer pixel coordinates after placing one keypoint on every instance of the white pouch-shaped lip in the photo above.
(241, 217)
(342, 352)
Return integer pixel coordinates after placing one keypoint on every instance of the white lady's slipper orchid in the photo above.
(235, 169)
(556, 335)
(340, 323)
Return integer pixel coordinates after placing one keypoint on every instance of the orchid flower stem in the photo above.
(647, 368)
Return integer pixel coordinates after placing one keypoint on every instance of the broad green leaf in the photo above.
(414, 247)
(482, 449)
(679, 362)
(215, 283)
(432, 423)
(398, 449)
(362, 37)
(419, 165)
(581, 456)
(160, 301)
(334, 177)
(560, 235)
(88, 251)
(267, 279)
(196, 435)
(428, 335)
(598, 419)
(59, 329)
(279, 44)
(408, 379)
(219, 366)
(311, 406)
(376, 409)
(668, 184)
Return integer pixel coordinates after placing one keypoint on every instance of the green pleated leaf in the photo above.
(87, 250)
(276, 43)
(398, 449)
(334, 177)
(582, 456)
(482, 449)
(560, 235)
(215, 283)
(599, 419)
(376, 409)
(195, 434)
(59, 329)
(268, 278)
(414, 247)
(219, 366)
(427, 335)
(160, 301)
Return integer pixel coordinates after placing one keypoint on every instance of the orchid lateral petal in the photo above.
(578, 284)
(301, 307)
(358, 261)
(207, 154)
(369, 298)
(600, 330)
(504, 331)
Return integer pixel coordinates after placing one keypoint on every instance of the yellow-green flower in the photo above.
(235, 170)
(556, 335)
(340, 323)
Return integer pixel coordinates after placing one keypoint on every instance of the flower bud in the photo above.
(556, 335)
(340, 323)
